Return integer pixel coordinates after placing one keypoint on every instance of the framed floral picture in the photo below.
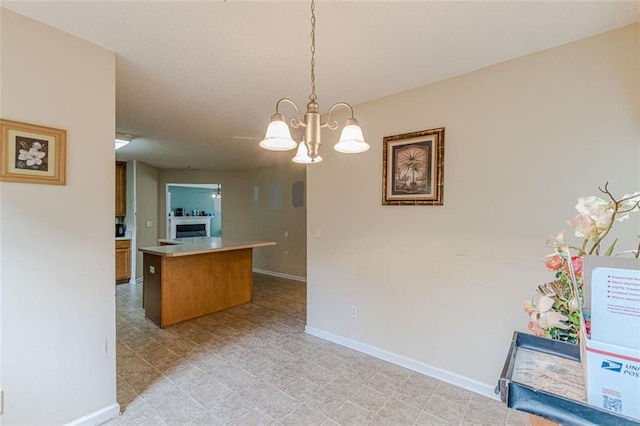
(413, 168)
(32, 154)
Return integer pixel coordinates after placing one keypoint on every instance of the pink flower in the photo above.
(576, 262)
(528, 307)
(583, 225)
(535, 329)
(554, 262)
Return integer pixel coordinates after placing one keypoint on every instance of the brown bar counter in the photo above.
(187, 278)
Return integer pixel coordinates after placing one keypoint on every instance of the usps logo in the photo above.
(611, 366)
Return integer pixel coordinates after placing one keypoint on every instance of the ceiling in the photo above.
(197, 81)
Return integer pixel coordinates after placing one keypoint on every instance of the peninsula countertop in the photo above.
(199, 245)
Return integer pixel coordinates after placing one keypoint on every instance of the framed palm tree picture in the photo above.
(413, 168)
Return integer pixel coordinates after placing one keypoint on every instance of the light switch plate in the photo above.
(152, 270)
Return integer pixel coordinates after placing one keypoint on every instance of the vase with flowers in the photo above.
(555, 309)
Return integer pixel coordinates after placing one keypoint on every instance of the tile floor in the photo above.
(254, 365)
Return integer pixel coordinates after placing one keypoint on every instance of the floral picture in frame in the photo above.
(32, 154)
(413, 168)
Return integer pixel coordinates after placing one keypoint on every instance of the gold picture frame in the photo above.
(32, 154)
(413, 168)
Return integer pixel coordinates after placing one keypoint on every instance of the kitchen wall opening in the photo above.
(194, 210)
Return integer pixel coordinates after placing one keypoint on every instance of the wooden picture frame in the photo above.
(413, 168)
(32, 154)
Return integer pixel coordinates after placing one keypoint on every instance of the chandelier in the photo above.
(278, 136)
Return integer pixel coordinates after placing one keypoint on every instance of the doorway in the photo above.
(197, 202)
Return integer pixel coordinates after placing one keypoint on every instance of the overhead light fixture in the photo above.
(302, 155)
(217, 193)
(122, 140)
(278, 136)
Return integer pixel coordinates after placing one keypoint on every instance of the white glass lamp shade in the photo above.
(302, 155)
(351, 140)
(278, 137)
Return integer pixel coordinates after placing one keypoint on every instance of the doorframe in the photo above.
(187, 185)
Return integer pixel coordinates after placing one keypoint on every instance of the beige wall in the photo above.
(147, 187)
(56, 242)
(442, 287)
(289, 256)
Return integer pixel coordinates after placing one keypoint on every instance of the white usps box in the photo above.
(612, 377)
(611, 355)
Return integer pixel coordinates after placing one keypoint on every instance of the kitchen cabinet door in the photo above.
(123, 261)
(121, 189)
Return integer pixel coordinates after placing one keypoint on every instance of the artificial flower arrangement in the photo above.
(555, 310)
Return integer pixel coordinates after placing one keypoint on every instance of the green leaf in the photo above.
(610, 249)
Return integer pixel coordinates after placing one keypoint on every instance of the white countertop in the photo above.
(122, 238)
(199, 245)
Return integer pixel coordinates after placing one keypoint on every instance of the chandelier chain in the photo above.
(278, 136)
(313, 96)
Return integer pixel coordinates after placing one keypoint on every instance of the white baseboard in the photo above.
(98, 417)
(446, 376)
(280, 275)
(138, 280)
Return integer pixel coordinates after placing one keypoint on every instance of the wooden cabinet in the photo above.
(123, 261)
(121, 189)
(185, 286)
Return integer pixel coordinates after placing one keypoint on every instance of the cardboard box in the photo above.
(612, 377)
(612, 367)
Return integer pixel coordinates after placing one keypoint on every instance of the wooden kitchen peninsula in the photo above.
(186, 278)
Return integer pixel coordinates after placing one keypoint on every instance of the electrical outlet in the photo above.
(318, 232)
(152, 270)
(286, 234)
(354, 312)
(149, 224)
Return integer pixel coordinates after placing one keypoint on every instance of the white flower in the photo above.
(24, 155)
(559, 244)
(574, 304)
(37, 145)
(594, 218)
(32, 157)
(544, 304)
(553, 319)
(544, 315)
(592, 206)
(629, 205)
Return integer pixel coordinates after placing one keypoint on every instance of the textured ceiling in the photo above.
(197, 81)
